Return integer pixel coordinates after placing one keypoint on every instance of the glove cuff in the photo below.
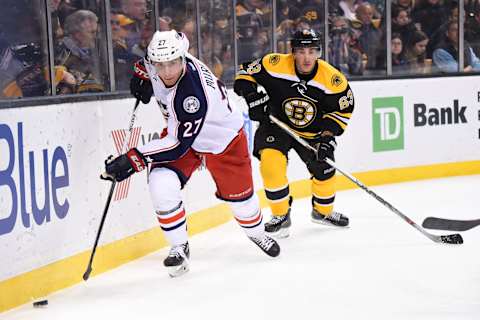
(140, 71)
(136, 159)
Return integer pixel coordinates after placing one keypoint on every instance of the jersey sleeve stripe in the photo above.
(343, 115)
(245, 77)
(339, 118)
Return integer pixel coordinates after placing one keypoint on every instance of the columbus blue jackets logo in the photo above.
(191, 104)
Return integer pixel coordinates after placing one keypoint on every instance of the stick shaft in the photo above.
(86, 275)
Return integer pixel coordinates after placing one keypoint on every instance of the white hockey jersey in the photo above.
(197, 111)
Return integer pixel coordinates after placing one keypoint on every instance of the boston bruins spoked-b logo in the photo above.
(300, 112)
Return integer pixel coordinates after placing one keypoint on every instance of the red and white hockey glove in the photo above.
(124, 165)
(140, 85)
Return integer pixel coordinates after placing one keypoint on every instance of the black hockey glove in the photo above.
(325, 147)
(257, 105)
(140, 85)
(124, 165)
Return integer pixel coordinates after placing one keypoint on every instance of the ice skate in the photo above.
(279, 226)
(177, 261)
(334, 219)
(267, 244)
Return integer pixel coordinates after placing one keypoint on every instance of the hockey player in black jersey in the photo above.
(312, 98)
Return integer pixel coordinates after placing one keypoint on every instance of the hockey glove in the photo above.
(124, 166)
(257, 105)
(325, 147)
(140, 85)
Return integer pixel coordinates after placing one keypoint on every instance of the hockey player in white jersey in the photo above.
(202, 127)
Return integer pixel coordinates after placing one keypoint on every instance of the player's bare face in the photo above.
(169, 71)
(305, 59)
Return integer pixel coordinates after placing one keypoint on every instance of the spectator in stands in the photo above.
(342, 54)
(251, 37)
(164, 23)
(371, 35)
(287, 15)
(302, 23)
(415, 53)
(402, 24)
(377, 5)
(287, 12)
(25, 73)
(399, 63)
(212, 52)
(60, 10)
(406, 5)
(140, 49)
(56, 25)
(348, 9)
(122, 58)
(135, 10)
(189, 28)
(221, 21)
(445, 56)
(78, 51)
(439, 34)
(313, 12)
(398, 58)
(429, 14)
(472, 28)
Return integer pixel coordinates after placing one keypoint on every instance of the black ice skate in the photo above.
(279, 226)
(177, 260)
(268, 245)
(334, 219)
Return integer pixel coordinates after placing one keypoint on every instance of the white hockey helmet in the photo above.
(167, 46)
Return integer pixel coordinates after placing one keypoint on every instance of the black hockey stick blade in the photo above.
(449, 224)
(452, 239)
(86, 275)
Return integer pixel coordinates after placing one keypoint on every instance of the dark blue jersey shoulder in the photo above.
(190, 108)
(190, 100)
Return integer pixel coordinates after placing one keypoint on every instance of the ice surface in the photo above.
(379, 268)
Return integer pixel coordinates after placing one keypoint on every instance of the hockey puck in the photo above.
(40, 303)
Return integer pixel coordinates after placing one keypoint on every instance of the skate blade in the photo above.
(326, 223)
(280, 234)
(177, 271)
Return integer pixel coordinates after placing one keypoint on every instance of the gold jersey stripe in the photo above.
(245, 77)
(339, 118)
(343, 115)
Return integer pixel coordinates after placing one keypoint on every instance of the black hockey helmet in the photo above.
(306, 38)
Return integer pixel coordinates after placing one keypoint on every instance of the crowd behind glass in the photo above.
(89, 46)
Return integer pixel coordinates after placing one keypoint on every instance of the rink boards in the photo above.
(51, 199)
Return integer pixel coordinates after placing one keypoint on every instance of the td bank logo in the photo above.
(387, 123)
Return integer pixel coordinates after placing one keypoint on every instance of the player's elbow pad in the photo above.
(243, 87)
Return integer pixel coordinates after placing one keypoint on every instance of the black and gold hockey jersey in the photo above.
(325, 102)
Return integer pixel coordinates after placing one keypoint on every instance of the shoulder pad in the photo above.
(330, 78)
(279, 63)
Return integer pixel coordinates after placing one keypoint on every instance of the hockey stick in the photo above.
(449, 224)
(86, 275)
(451, 239)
